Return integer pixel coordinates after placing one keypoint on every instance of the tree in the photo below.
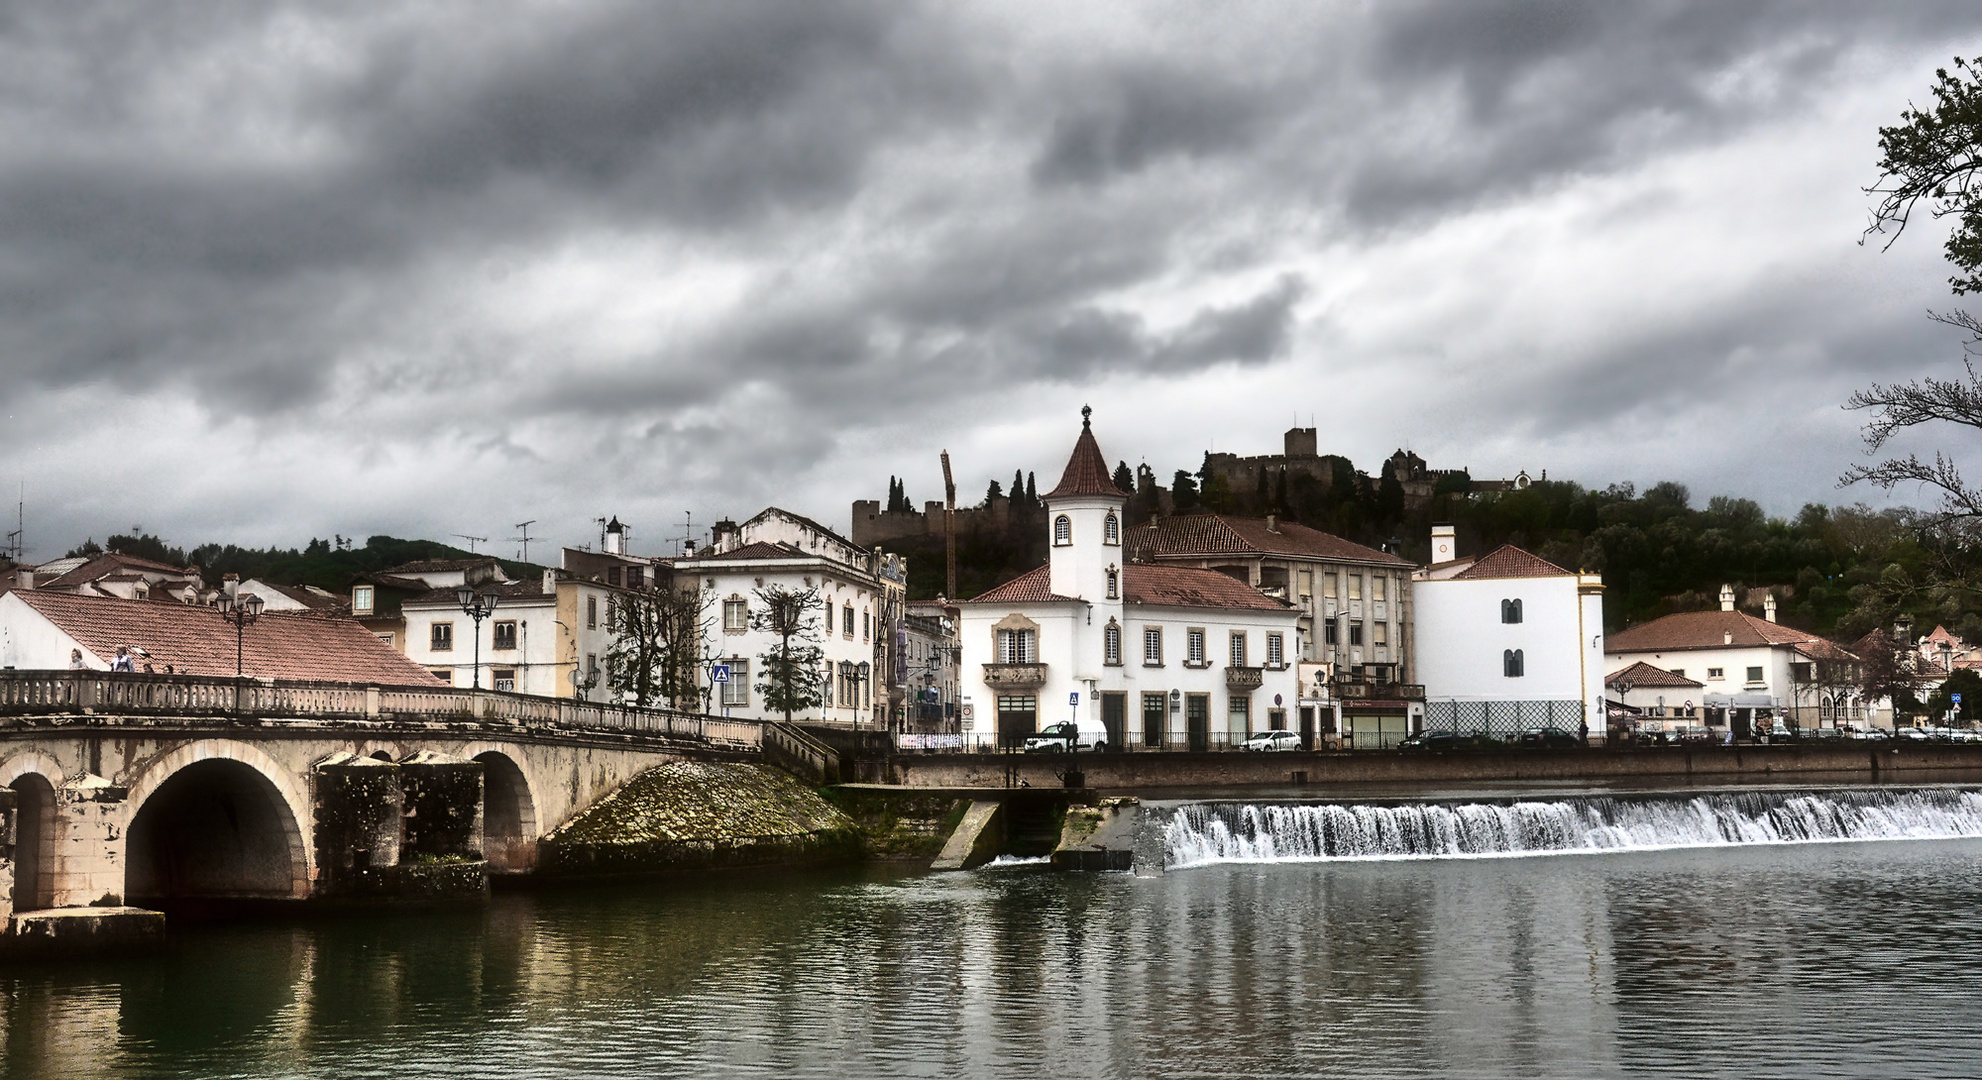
(993, 493)
(1124, 479)
(1183, 492)
(657, 638)
(1031, 490)
(1966, 682)
(1018, 486)
(792, 672)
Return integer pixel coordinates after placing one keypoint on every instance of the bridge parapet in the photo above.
(100, 693)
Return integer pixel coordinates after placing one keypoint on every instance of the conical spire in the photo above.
(1087, 470)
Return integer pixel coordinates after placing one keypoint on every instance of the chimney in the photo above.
(724, 535)
(24, 579)
(1273, 523)
(615, 539)
(230, 584)
(1727, 598)
(1444, 543)
(1769, 607)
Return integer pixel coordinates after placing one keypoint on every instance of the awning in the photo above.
(1740, 701)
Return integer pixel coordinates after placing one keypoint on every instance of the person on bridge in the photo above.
(76, 660)
(123, 661)
(1583, 733)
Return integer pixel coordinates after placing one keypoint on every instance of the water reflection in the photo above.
(1837, 960)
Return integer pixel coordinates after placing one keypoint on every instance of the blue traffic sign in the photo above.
(719, 673)
(1956, 698)
(1073, 698)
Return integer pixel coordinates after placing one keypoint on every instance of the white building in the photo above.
(861, 596)
(1163, 656)
(1751, 669)
(548, 636)
(1509, 641)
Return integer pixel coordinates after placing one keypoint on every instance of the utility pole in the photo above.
(472, 541)
(525, 538)
(949, 529)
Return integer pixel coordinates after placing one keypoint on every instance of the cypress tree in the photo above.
(1031, 490)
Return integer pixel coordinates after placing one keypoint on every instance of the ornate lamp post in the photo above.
(242, 611)
(477, 606)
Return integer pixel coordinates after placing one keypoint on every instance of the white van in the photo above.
(1082, 735)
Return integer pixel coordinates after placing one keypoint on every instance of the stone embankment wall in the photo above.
(694, 815)
(1861, 761)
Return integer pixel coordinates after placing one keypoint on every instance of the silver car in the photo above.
(1271, 740)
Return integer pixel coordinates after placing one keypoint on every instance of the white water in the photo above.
(1205, 833)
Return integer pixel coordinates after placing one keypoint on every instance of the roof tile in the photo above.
(1508, 561)
(1221, 534)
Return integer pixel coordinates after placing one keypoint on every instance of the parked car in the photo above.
(1449, 740)
(1911, 734)
(1697, 734)
(1550, 738)
(1268, 741)
(1067, 735)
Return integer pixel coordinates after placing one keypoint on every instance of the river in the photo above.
(1751, 959)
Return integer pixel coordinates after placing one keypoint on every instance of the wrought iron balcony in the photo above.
(1391, 691)
(1014, 676)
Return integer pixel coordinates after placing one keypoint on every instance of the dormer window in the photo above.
(1111, 530)
(361, 600)
(1063, 531)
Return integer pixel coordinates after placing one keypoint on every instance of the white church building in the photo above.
(1165, 657)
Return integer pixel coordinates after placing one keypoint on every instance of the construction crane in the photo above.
(949, 528)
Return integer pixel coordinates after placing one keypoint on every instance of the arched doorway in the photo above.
(215, 833)
(509, 815)
(34, 842)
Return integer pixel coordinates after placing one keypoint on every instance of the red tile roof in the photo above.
(1645, 676)
(1031, 587)
(1221, 534)
(1183, 586)
(1087, 470)
(103, 566)
(1703, 630)
(1164, 586)
(1508, 561)
(198, 641)
(441, 566)
(757, 551)
(504, 590)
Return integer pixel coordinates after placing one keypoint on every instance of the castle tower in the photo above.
(1084, 523)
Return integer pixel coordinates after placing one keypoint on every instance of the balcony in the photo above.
(1014, 676)
(1354, 689)
(1243, 678)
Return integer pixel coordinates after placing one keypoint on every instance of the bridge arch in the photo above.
(509, 809)
(33, 777)
(215, 820)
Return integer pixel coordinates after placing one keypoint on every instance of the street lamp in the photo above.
(242, 611)
(476, 606)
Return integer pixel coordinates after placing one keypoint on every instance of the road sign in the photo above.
(719, 673)
(1956, 698)
(1074, 698)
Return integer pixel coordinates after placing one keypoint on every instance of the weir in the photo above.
(1199, 834)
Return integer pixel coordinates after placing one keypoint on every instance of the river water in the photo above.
(1761, 958)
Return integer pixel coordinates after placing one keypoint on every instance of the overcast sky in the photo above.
(274, 271)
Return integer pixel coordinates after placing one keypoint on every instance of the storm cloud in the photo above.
(270, 271)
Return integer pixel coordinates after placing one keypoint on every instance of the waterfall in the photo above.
(1202, 833)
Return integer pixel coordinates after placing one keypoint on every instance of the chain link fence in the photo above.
(1502, 719)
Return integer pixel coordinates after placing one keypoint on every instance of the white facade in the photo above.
(1513, 639)
(30, 642)
(1088, 637)
(537, 638)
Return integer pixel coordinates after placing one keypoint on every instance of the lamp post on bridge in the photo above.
(242, 611)
(477, 606)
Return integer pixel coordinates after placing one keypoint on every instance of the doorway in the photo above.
(1114, 709)
(1197, 721)
(1307, 727)
(34, 847)
(1018, 717)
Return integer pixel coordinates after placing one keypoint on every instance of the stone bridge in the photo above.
(177, 791)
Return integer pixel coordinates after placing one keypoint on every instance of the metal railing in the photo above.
(1503, 719)
(56, 693)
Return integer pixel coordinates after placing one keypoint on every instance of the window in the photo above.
(505, 634)
(1152, 646)
(866, 626)
(385, 636)
(1111, 529)
(1111, 645)
(1800, 672)
(1238, 648)
(1194, 648)
(1379, 587)
(1716, 673)
(636, 577)
(846, 620)
(612, 612)
(1754, 674)
(505, 679)
(1114, 584)
(1679, 671)
(1510, 611)
(1328, 584)
(1276, 651)
(1355, 633)
(1512, 664)
(736, 615)
(1355, 586)
(1238, 715)
(361, 600)
(1063, 531)
(1329, 632)
(1382, 632)
(444, 674)
(737, 690)
(592, 666)
(612, 576)
(443, 637)
(1018, 647)
(591, 613)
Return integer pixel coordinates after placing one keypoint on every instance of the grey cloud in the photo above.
(1121, 123)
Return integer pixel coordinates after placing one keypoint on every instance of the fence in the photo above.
(28, 693)
(1502, 719)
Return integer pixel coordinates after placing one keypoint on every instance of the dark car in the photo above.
(1448, 740)
(1550, 738)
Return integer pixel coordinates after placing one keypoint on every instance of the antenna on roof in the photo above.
(525, 538)
(16, 540)
(687, 540)
(472, 541)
